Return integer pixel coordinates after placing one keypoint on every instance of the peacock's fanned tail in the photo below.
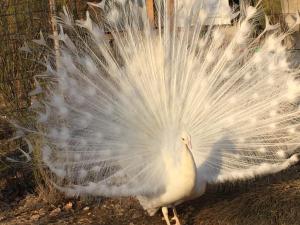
(112, 109)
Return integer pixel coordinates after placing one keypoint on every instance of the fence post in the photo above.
(54, 26)
(150, 11)
(170, 8)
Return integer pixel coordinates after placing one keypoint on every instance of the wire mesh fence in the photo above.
(22, 21)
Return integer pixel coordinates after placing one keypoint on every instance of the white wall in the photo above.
(218, 11)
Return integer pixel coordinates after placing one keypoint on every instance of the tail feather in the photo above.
(110, 113)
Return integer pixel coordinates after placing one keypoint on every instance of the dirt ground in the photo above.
(265, 201)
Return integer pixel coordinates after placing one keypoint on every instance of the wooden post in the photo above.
(54, 25)
(170, 8)
(150, 11)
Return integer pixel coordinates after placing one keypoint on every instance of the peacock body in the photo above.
(170, 108)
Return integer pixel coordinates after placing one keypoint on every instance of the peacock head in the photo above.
(186, 139)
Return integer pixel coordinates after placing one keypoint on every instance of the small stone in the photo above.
(86, 208)
(131, 223)
(190, 208)
(55, 212)
(68, 206)
(41, 212)
(135, 215)
(35, 217)
(89, 213)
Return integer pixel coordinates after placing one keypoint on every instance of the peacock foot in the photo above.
(166, 216)
(175, 218)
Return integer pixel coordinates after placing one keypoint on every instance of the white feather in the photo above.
(123, 111)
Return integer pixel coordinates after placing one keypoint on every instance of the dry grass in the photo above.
(44, 187)
(272, 200)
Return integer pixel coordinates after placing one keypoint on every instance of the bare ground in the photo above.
(265, 201)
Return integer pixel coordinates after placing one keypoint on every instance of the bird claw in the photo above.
(166, 218)
(172, 219)
(176, 219)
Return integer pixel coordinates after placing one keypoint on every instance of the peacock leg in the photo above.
(166, 216)
(175, 217)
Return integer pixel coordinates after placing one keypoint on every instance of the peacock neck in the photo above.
(188, 163)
